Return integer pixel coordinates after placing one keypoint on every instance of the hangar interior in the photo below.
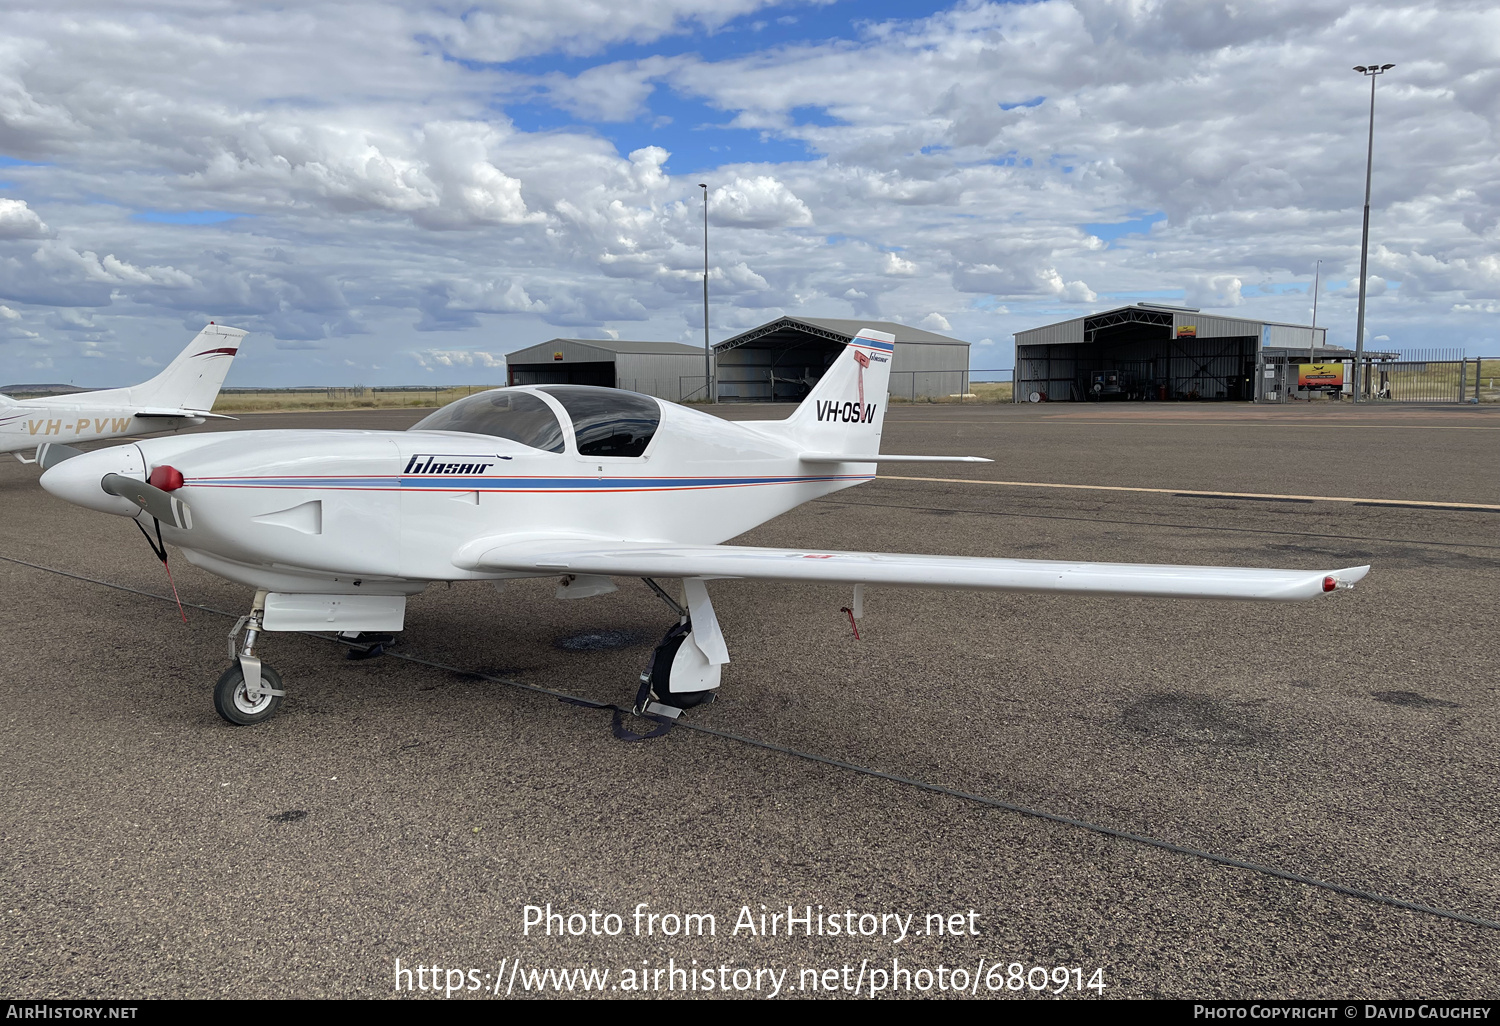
(1148, 352)
(782, 360)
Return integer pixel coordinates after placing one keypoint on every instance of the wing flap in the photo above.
(967, 572)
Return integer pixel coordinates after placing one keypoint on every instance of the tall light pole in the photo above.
(1313, 341)
(708, 374)
(1372, 72)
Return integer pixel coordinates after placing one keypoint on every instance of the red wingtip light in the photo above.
(1329, 583)
(169, 479)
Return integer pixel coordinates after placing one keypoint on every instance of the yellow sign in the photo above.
(1188, 331)
(1320, 375)
(557, 356)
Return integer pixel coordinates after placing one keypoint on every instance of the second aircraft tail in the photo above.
(192, 380)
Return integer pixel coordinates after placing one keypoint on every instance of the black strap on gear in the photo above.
(643, 696)
(625, 734)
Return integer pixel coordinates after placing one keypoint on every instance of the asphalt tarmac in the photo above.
(401, 810)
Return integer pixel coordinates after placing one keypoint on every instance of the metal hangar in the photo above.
(668, 370)
(781, 360)
(1151, 351)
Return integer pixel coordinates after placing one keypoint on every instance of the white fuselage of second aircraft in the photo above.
(27, 423)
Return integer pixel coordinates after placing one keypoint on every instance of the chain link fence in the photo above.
(1457, 379)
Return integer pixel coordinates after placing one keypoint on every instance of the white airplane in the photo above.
(334, 529)
(180, 396)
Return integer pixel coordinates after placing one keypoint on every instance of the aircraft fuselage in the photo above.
(393, 509)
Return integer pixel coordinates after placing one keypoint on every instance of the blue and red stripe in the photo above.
(513, 484)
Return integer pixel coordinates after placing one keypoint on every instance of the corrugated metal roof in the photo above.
(1186, 315)
(605, 345)
(844, 327)
(903, 332)
(1061, 333)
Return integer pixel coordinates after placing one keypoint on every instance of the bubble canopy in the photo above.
(606, 421)
(502, 413)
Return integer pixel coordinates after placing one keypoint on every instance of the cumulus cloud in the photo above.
(1214, 290)
(759, 202)
(60, 260)
(400, 168)
(431, 359)
(896, 265)
(19, 221)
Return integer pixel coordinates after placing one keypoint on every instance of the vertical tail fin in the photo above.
(193, 379)
(845, 412)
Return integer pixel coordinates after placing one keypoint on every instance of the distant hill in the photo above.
(38, 390)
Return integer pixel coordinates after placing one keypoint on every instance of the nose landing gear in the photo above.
(249, 691)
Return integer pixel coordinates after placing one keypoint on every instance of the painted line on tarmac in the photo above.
(1127, 421)
(920, 785)
(1178, 492)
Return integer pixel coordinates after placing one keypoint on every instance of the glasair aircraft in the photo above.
(181, 395)
(334, 529)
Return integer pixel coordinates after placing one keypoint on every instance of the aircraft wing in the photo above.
(839, 457)
(1215, 582)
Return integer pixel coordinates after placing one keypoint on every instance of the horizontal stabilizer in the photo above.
(159, 412)
(838, 457)
(1204, 582)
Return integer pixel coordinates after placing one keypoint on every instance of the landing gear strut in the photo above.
(249, 691)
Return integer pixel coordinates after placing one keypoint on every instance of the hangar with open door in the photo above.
(781, 360)
(1151, 352)
(667, 370)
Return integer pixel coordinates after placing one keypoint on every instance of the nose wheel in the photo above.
(249, 691)
(234, 700)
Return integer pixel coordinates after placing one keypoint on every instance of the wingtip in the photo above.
(1340, 580)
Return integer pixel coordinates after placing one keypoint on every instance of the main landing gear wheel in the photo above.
(663, 661)
(232, 697)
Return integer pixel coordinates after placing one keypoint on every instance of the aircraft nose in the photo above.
(76, 480)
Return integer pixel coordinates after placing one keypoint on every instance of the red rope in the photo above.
(173, 583)
(846, 609)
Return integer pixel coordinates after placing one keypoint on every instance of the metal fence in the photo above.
(1458, 380)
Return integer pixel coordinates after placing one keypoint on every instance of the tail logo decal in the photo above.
(863, 361)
